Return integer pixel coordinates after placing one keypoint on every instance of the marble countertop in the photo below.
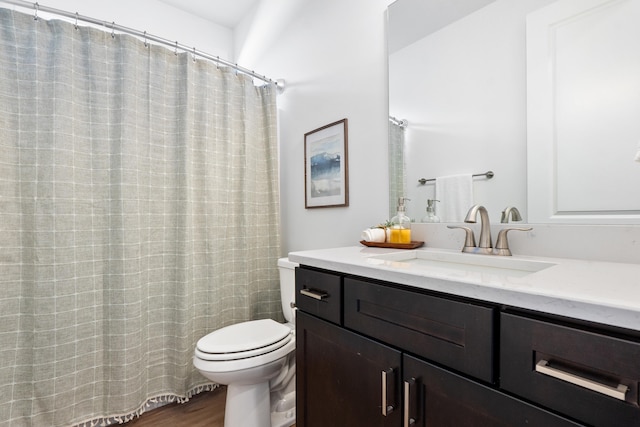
(602, 292)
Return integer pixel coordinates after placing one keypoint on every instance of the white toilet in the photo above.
(256, 360)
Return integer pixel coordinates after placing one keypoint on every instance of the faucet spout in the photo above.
(484, 244)
(510, 212)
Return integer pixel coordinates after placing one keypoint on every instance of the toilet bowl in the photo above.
(256, 360)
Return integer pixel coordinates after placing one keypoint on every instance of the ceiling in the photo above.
(227, 13)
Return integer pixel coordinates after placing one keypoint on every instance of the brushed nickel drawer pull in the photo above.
(615, 392)
(387, 407)
(314, 293)
(409, 386)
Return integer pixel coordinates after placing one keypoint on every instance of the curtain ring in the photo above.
(145, 40)
(194, 54)
(76, 24)
(218, 62)
(113, 29)
(176, 51)
(36, 6)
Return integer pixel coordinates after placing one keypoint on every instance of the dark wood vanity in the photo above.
(375, 353)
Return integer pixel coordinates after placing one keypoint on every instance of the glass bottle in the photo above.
(431, 214)
(401, 228)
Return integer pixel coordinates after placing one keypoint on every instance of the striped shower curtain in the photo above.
(397, 170)
(139, 211)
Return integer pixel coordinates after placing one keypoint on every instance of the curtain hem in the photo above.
(150, 404)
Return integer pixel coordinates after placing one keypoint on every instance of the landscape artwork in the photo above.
(326, 166)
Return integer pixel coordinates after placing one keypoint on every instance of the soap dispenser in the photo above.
(431, 214)
(401, 228)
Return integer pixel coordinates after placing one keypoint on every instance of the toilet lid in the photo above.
(245, 336)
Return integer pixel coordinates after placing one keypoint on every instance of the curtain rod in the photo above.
(403, 123)
(142, 35)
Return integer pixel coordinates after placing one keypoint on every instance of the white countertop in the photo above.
(602, 292)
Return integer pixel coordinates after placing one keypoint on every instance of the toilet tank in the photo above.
(287, 286)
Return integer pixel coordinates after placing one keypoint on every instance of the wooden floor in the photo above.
(203, 410)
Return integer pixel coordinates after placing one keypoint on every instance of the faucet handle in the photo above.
(502, 244)
(469, 239)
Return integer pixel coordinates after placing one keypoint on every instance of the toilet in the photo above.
(256, 361)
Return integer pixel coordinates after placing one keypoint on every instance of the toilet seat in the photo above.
(243, 340)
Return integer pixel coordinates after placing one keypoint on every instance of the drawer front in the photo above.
(319, 294)
(437, 397)
(456, 334)
(589, 376)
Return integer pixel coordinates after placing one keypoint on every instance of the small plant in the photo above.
(386, 224)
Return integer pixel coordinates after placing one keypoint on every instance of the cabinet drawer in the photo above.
(586, 375)
(319, 294)
(456, 334)
(435, 397)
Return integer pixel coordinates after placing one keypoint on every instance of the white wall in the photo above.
(332, 55)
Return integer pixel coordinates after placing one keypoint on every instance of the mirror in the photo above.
(458, 79)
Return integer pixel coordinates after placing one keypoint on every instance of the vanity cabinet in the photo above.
(400, 356)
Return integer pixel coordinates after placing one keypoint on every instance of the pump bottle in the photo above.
(401, 228)
(431, 214)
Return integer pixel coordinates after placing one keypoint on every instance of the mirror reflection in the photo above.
(458, 107)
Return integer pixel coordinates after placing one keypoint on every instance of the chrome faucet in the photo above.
(484, 245)
(510, 211)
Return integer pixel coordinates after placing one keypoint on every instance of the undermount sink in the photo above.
(451, 262)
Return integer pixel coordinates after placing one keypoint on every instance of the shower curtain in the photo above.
(397, 174)
(139, 211)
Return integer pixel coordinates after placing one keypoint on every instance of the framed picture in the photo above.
(326, 171)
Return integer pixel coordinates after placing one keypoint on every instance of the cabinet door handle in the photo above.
(388, 379)
(409, 390)
(314, 293)
(618, 392)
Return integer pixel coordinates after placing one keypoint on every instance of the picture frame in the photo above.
(326, 167)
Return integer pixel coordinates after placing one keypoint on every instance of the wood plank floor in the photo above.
(203, 410)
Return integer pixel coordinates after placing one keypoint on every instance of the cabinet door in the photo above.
(437, 398)
(343, 379)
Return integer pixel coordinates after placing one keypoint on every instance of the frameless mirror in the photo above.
(460, 102)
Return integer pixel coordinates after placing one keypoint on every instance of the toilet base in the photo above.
(248, 405)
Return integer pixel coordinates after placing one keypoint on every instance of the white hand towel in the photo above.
(377, 235)
(455, 193)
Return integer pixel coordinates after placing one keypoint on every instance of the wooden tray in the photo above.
(411, 245)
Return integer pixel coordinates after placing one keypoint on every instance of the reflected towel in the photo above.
(455, 193)
(377, 235)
